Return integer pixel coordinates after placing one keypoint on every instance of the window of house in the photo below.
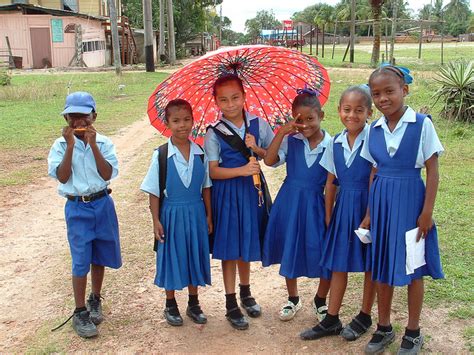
(70, 5)
(92, 46)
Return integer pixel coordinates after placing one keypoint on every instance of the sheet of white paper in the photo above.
(364, 235)
(415, 251)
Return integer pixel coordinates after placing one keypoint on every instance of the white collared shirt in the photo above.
(327, 160)
(213, 147)
(85, 178)
(310, 155)
(429, 142)
(151, 182)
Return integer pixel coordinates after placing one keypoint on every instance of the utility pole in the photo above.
(353, 14)
(148, 27)
(161, 34)
(394, 30)
(115, 37)
(171, 42)
(220, 25)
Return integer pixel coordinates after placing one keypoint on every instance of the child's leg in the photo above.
(169, 294)
(192, 290)
(194, 309)
(415, 303)
(292, 287)
(228, 273)
(384, 303)
(323, 288)
(234, 314)
(172, 315)
(338, 288)
(368, 297)
(79, 285)
(97, 277)
(244, 272)
(247, 301)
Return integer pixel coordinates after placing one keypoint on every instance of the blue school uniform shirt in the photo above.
(85, 178)
(151, 182)
(211, 142)
(327, 160)
(429, 142)
(310, 156)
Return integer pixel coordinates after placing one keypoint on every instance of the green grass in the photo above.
(30, 107)
(405, 54)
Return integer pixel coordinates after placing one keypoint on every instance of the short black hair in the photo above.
(360, 90)
(180, 103)
(224, 79)
(306, 99)
(388, 69)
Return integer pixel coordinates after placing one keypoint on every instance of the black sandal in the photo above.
(251, 307)
(350, 334)
(239, 322)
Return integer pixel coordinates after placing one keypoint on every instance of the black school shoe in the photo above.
(239, 322)
(320, 331)
(94, 306)
(386, 338)
(251, 307)
(175, 321)
(196, 314)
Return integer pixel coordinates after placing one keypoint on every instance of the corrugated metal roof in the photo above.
(28, 9)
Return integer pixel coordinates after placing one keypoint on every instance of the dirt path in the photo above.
(36, 292)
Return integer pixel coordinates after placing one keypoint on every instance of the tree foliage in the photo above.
(264, 20)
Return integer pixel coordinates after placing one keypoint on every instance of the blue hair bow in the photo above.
(365, 87)
(307, 90)
(404, 70)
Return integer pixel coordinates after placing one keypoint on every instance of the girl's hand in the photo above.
(159, 232)
(425, 223)
(291, 127)
(68, 134)
(251, 168)
(365, 223)
(210, 226)
(250, 141)
(90, 135)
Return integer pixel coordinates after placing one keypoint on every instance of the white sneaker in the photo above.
(289, 310)
(320, 312)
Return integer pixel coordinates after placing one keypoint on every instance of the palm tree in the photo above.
(376, 15)
(171, 40)
(161, 33)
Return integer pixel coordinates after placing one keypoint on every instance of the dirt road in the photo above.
(36, 291)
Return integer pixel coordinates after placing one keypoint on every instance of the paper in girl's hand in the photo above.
(364, 235)
(415, 251)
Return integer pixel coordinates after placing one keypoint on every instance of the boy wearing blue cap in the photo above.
(84, 161)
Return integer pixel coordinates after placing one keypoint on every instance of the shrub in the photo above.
(5, 78)
(456, 90)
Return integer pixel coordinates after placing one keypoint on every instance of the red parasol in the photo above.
(271, 76)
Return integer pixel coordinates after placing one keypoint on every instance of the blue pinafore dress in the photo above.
(183, 259)
(296, 227)
(343, 251)
(237, 218)
(396, 200)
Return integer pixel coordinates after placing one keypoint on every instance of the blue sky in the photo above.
(240, 10)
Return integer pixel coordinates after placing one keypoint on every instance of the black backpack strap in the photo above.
(232, 139)
(162, 170)
(202, 154)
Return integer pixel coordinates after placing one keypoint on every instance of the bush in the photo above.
(5, 78)
(456, 90)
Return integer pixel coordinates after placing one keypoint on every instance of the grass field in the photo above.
(405, 54)
(30, 121)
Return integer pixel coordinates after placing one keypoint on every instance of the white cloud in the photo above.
(240, 10)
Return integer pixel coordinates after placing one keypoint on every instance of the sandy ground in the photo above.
(36, 291)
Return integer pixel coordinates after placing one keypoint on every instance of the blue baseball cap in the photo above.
(79, 102)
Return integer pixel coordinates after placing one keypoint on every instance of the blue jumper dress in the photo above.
(396, 200)
(183, 259)
(237, 218)
(296, 227)
(343, 251)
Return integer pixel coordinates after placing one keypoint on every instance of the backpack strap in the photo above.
(162, 170)
(230, 136)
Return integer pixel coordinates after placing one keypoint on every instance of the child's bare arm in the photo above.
(155, 209)
(425, 220)
(218, 173)
(206, 196)
(366, 221)
(64, 170)
(252, 144)
(272, 157)
(103, 166)
(329, 197)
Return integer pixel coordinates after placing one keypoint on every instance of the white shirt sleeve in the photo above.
(266, 134)
(212, 146)
(55, 157)
(108, 152)
(282, 152)
(429, 143)
(207, 180)
(151, 182)
(364, 153)
(327, 160)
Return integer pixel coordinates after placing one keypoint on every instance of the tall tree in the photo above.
(456, 15)
(376, 6)
(171, 34)
(264, 20)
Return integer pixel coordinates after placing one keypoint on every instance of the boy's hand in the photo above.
(424, 223)
(159, 232)
(251, 168)
(365, 223)
(90, 135)
(210, 226)
(68, 134)
(250, 141)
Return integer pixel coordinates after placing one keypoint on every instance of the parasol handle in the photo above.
(258, 185)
